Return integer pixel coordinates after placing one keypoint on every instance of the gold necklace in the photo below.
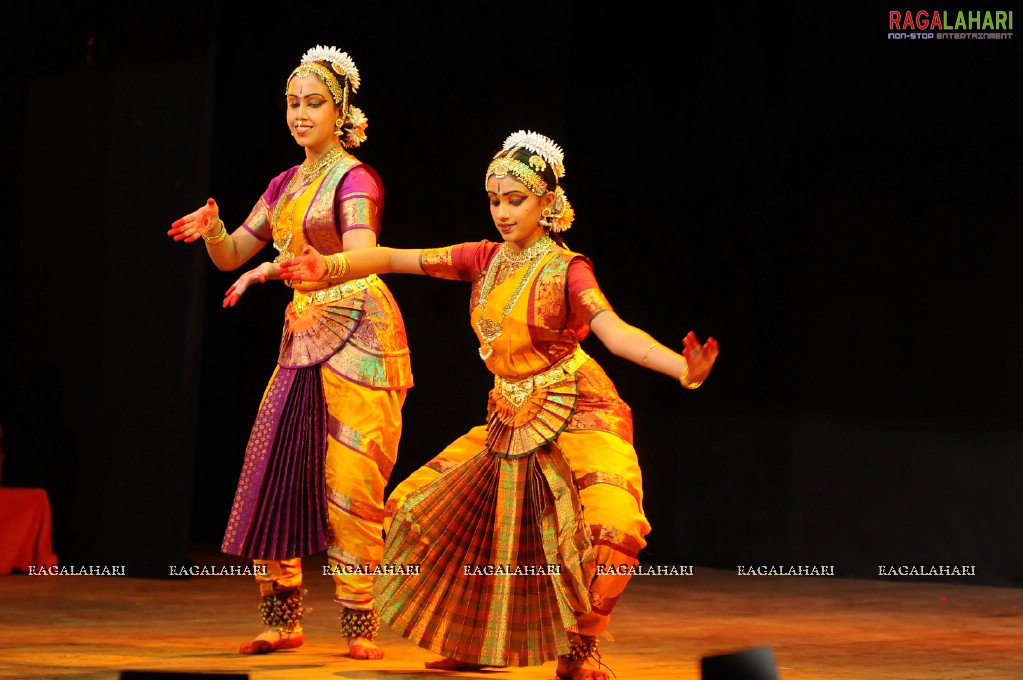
(282, 237)
(312, 171)
(489, 329)
(309, 172)
(504, 254)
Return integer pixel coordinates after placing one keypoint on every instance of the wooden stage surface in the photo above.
(818, 628)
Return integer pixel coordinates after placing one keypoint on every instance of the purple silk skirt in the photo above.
(280, 509)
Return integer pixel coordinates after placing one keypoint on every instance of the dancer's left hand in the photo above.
(309, 266)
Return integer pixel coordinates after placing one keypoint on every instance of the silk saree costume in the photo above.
(326, 433)
(550, 483)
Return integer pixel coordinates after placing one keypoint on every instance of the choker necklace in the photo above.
(312, 171)
(489, 329)
(527, 254)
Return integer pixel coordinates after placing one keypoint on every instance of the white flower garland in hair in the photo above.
(539, 144)
(341, 62)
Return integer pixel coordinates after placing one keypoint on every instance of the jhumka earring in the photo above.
(545, 218)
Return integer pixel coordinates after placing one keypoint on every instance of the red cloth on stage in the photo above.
(25, 528)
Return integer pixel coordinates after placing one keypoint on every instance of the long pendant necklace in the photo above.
(489, 329)
(282, 236)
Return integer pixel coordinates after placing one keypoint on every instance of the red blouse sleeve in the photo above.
(585, 299)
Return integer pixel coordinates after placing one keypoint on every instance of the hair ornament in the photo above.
(545, 154)
(355, 133)
(338, 60)
(340, 77)
(541, 145)
(561, 213)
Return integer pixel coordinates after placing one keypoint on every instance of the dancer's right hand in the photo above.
(267, 270)
(195, 224)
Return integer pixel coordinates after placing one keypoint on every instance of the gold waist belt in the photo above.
(517, 391)
(303, 299)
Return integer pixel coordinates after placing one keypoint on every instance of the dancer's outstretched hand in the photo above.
(196, 224)
(700, 358)
(260, 274)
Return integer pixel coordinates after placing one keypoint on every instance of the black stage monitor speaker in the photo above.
(749, 664)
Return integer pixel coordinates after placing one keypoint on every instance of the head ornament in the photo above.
(338, 72)
(339, 61)
(533, 158)
(541, 145)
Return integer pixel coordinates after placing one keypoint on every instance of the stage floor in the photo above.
(818, 628)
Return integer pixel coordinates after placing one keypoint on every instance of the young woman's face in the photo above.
(516, 210)
(311, 113)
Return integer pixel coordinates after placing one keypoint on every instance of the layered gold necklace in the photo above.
(489, 329)
(309, 172)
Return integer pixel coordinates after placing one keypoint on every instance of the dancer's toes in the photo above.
(581, 669)
(364, 648)
(271, 641)
(583, 662)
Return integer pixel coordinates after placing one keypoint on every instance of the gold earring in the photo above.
(545, 217)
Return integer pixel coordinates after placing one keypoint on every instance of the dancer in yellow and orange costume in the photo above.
(552, 478)
(326, 434)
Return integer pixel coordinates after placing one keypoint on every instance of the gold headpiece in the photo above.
(545, 153)
(341, 76)
(500, 167)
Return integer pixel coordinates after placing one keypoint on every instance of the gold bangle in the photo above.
(332, 266)
(219, 237)
(684, 378)
(647, 352)
(338, 266)
(343, 265)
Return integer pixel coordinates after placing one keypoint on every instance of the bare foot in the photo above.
(270, 641)
(364, 648)
(449, 664)
(581, 669)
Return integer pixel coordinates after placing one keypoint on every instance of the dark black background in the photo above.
(838, 209)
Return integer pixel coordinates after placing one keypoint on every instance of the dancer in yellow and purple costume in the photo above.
(326, 435)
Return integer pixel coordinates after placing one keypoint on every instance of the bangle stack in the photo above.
(338, 266)
(219, 237)
(684, 378)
